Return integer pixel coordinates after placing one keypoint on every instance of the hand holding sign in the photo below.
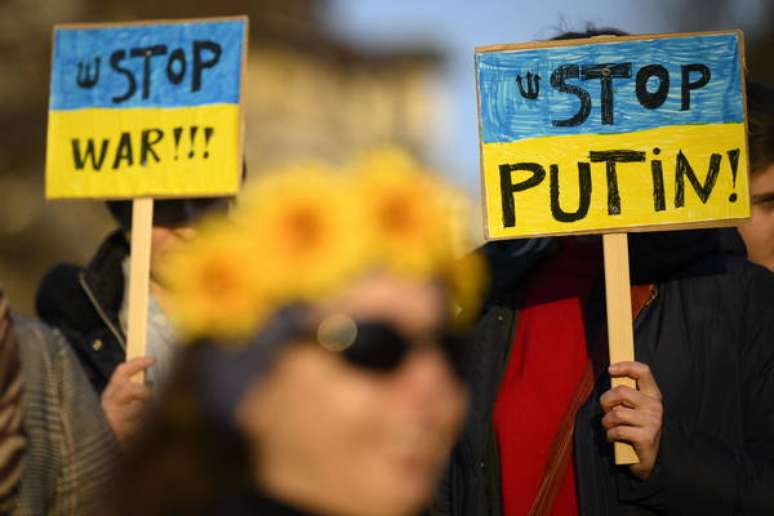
(613, 134)
(145, 110)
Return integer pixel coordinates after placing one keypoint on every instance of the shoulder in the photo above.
(61, 301)
(43, 351)
(734, 277)
(728, 291)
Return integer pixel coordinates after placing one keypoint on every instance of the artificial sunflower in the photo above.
(214, 285)
(305, 228)
(407, 211)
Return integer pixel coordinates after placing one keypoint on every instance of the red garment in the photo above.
(547, 363)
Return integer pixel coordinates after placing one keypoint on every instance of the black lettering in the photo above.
(558, 78)
(683, 169)
(584, 186)
(507, 188)
(687, 85)
(79, 160)
(733, 160)
(149, 138)
(606, 73)
(647, 99)
(115, 58)
(123, 151)
(659, 196)
(611, 158)
(177, 56)
(533, 86)
(147, 53)
(199, 63)
(85, 79)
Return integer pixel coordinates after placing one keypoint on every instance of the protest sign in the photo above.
(146, 109)
(143, 110)
(631, 133)
(609, 135)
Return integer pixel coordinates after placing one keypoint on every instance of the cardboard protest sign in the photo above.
(146, 109)
(143, 110)
(609, 134)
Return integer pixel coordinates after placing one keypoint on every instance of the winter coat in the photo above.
(708, 336)
(71, 450)
(84, 305)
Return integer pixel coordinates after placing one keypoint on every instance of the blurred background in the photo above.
(325, 78)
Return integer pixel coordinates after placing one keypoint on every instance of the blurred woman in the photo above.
(320, 380)
(758, 232)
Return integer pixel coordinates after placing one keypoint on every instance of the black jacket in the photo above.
(708, 336)
(84, 305)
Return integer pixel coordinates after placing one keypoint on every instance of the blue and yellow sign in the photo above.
(146, 109)
(610, 134)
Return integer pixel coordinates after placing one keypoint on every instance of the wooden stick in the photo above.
(620, 330)
(139, 278)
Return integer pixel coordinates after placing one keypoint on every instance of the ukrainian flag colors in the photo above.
(146, 110)
(661, 139)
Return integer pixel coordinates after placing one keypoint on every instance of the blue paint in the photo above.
(220, 84)
(507, 116)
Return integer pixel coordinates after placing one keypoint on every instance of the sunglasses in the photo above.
(378, 346)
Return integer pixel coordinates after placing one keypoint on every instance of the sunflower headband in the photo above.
(304, 232)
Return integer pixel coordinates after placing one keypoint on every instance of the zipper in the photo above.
(100, 312)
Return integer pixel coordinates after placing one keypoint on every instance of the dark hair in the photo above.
(172, 213)
(590, 32)
(183, 461)
(760, 120)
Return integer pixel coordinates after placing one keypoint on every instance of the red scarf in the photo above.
(547, 364)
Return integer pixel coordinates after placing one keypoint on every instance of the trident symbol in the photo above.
(533, 86)
(85, 79)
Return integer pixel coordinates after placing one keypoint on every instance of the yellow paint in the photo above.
(697, 142)
(169, 177)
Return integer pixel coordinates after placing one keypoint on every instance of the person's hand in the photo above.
(123, 400)
(635, 416)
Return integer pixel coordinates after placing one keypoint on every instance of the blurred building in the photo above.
(307, 95)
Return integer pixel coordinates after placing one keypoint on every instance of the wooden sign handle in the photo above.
(620, 329)
(139, 279)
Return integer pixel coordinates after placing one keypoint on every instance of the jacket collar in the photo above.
(654, 256)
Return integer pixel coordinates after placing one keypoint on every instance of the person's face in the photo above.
(337, 438)
(163, 240)
(758, 232)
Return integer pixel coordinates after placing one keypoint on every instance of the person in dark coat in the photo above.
(543, 414)
(88, 304)
(705, 329)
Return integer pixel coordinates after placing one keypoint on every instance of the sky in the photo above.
(456, 27)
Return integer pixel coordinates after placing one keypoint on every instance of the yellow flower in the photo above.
(407, 211)
(303, 233)
(214, 289)
(304, 227)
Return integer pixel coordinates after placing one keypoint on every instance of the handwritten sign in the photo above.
(146, 109)
(620, 134)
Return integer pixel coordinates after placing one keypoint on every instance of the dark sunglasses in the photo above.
(379, 346)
